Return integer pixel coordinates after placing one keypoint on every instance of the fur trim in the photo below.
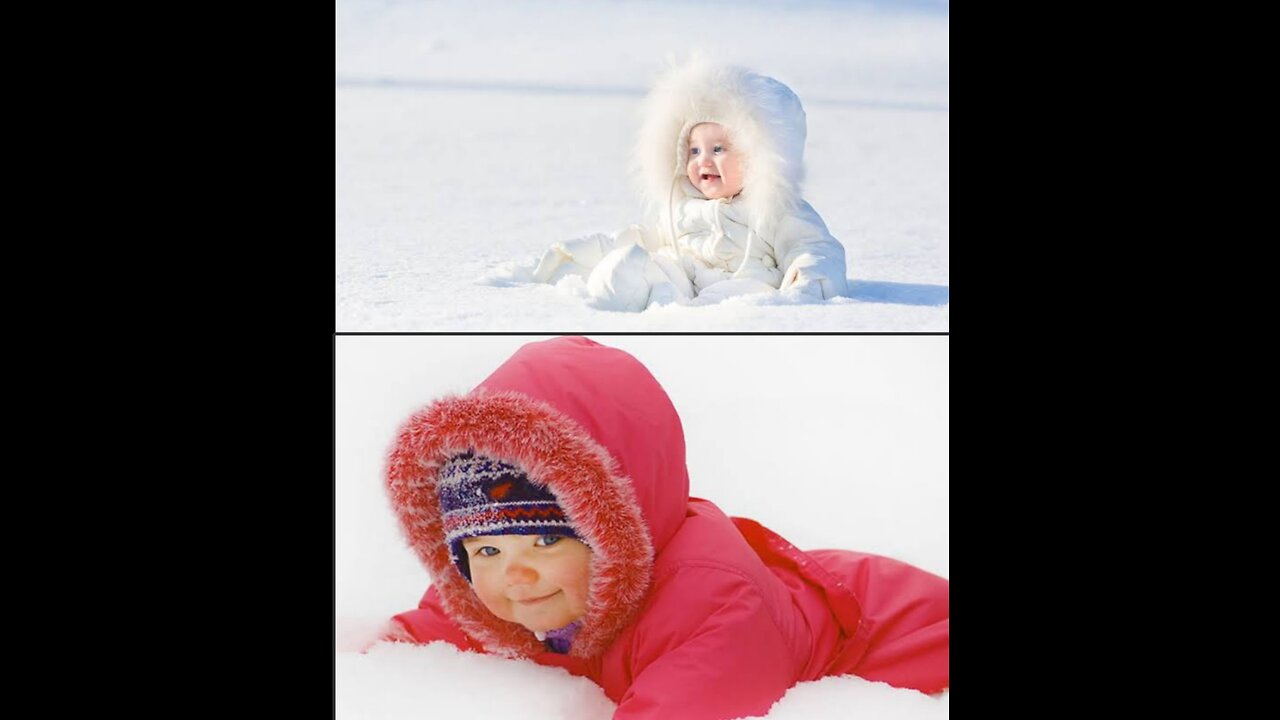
(765, 121)
(554, 452)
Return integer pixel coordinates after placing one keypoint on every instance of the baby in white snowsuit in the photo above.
(720, 159)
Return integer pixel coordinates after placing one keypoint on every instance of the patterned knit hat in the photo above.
(483, 496)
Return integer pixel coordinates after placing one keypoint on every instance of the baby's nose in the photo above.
(519, 573)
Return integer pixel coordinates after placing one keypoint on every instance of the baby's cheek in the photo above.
(583, 584)
(579, 586)
(490, 599)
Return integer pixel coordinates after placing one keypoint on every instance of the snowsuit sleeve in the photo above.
(812, 261)
(714, 653)
(429, 624)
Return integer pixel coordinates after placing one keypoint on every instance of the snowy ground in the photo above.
(864, 424)
(470, 136)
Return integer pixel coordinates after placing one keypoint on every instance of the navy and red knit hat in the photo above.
(483, 496)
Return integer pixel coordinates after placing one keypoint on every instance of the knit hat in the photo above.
(483, 496)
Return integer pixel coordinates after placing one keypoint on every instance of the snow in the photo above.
(438, 681)
(468, 139)
(856, 457)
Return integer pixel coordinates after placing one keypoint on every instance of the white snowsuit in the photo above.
(696, 250)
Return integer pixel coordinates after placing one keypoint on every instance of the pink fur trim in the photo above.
(553, 450)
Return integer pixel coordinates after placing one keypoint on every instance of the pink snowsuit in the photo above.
(691, 614)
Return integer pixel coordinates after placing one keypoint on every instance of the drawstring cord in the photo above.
(746, 255)
(671, 224)
(671, 214)
(721, 233)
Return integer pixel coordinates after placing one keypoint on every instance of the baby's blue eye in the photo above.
(481, 550)
(693, 151)
(719, 148)
(550, 540)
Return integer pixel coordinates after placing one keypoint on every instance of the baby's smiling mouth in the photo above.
(710, 176)
(536, 600)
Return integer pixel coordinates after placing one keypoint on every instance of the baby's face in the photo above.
(714, 166)
(538, 581)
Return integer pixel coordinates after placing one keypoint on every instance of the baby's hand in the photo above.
(392, 631)
(799, 279)
(551, 261)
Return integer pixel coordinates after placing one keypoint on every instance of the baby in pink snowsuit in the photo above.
(551, 508)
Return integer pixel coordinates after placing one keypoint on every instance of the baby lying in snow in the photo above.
(720, 157)
(540, 546)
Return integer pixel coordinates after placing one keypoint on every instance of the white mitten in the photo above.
(577, 256)
(551, 261)
(802, 279)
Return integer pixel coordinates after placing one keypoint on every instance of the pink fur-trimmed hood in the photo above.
(591, 424)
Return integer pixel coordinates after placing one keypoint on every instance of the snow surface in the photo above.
(469, 137)
(832, 441)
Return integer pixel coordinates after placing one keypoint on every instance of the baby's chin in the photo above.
(549, 618)
(547, 624)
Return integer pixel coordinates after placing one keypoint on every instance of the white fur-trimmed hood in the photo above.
(765, 121)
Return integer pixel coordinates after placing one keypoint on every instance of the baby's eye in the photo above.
(693, 151)
(719, 148)
(547, 540)
(483, 551)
